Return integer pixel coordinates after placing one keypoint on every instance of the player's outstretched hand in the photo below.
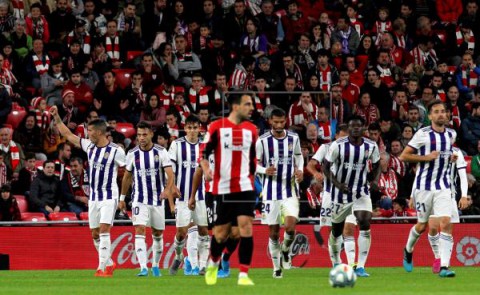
(463, 203)
(271, 171)
(208, 174)
(122, 206)
(344, 188)
(298, 176)
(433, 155)
(191, 203)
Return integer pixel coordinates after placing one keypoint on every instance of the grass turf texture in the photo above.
(295, 281)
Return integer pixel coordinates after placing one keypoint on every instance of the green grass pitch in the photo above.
(385, 281)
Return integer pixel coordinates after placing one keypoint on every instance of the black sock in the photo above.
(216, 249)
(245, 252)
(230, 245)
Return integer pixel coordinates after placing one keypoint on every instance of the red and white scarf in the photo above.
(337, 112)
(456, 120)
(14, 151)
(83, 39)
(18, 9)
(201, 100)
(40, 66)
(261, 99)
(325, 77)
(421, 56)
(400, 40)
(113, 49)
(3, 174)
(460, 39)
(368, 113)
(381, 27)
(297, 73)
(469, 79)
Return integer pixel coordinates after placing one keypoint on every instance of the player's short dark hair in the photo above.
(144, 125)
(434, 103)
(355, 118)
(191, 120)
(99, 125)
(277, 112)
(374, 127)
(163, 133)
(203, 108)
(236, 98)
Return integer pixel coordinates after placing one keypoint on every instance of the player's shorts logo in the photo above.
(468, 251)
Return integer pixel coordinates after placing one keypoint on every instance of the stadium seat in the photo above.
(469, 164)
(62, 216)
(22, 203)
(122, 77)
(133, 54)
(84, 216)
(126, 129)
(15, 117)
(33, 216)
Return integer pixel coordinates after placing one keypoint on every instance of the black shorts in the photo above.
(230, 206)
(209, 203)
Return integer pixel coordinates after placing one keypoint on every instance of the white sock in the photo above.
(104, 250)
(334, 247)
(434, 243)
(203, 250)
(96, 243)
(446, 246)
(412, 240)
(192, 246)
(274, 249)
(157, 250)
(364, 241)
(140, 250)
(349, 243)
(287, 241)
(179, 248)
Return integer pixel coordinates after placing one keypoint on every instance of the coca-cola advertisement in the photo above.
(71, 247)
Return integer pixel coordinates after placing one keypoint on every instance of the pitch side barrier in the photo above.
(303, 220)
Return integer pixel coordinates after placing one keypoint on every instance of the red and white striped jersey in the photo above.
(297, 114)
(235, 160)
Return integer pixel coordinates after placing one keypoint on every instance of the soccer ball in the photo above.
(342, 276)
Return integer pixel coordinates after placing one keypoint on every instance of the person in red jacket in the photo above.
(449, 10)
(294, 23)
(83, 93)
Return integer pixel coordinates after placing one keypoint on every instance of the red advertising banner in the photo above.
(58, 247)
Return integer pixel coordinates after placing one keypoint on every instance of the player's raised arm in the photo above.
(63, 129)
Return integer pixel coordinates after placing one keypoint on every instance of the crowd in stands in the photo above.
(161, 61)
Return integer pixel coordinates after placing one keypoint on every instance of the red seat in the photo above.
(38, 164)
(22, 203)
(122, 77)
(15, 117)
(84, 216)
(62, 216)
(126, 129)
(33, 216)
(133, 54)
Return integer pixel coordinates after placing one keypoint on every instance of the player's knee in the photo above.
(274, 236)
(157, 232)
(364, 225)
(203, 230)
(140, 230)
(104, 228)
(420, 227)
(181, 235)
(235, 233)
(95, 233)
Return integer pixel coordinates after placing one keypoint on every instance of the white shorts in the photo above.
(148, 215)
(351, 219)
(185, 216)
(340, 212)
(455, 218)
(326, 210)
(438, 203)
(273, 211)
(101, 212)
